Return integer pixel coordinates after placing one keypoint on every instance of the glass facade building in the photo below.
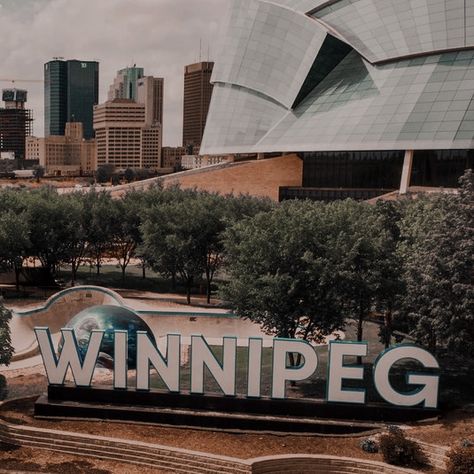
(126, 83)
(55, 97)
(347, 84)
(71, 91)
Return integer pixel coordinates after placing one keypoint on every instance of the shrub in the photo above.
(461, 459)
(369, 445)
(397, 449)
(395, 430)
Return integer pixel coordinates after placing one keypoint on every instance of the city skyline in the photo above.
(118, 35)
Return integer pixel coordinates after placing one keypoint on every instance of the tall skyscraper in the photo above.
(125, 83)
(55, 97)
(71, 90)
(15, 124)
(197, 97)
(150, 93)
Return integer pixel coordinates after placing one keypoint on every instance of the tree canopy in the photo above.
(281, 271)
(437, 248)
(299, 269)
(6, 348)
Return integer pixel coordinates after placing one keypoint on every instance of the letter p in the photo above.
(282, 372)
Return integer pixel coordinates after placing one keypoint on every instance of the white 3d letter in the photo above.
(167, 368)
(120, 359)
(56, 370)
(337, 371)
(281, 371)
(202, 355)
(428, 394)
(254, 375)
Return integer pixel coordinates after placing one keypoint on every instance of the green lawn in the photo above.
(111, 277)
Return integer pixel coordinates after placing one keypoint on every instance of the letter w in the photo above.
(56, 370)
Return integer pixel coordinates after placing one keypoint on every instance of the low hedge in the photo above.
(398, 450)
(461, 459)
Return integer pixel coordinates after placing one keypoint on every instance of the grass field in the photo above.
(111, 277)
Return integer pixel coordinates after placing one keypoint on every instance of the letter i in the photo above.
(120, 359)
(254, 368)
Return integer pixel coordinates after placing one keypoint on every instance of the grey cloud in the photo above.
(160, 35)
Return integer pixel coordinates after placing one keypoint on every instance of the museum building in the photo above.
(373, 95)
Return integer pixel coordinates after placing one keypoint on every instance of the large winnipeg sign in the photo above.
(168, 366)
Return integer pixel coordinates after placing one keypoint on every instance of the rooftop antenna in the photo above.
(200, 49)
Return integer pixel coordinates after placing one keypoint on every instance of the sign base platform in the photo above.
(215, 411)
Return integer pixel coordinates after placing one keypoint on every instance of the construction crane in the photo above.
(13, 81)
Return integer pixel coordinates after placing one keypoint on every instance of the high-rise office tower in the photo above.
(125, 83)
(15, 124)
(197, 97)
(123, 137)
(71, 89)
(55, 97)
(150, 93)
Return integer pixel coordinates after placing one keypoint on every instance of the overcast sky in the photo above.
(160, 35)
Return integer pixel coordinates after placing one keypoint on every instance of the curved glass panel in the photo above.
(268, 49)
(388, 29)
(423, 103)
(332, 52)
(238, 118)
(300, 5)
(349, 104)
(469, 22)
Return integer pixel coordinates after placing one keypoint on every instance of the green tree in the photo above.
(244, 205)
(125, 228)
(282, 271)
(206, 216)
(222, 214)
(104, 173)
(437, 248)
(14, 242)
(38, 172)
(364, 245)
(75, 244)
(129, 175)
(392, 286)
(142, 173)
(99, 216)
(174, 236)
(210, 214)
(6, 348)
(50, 230)
(15, 200)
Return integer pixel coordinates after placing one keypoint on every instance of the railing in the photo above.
(331, 194)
